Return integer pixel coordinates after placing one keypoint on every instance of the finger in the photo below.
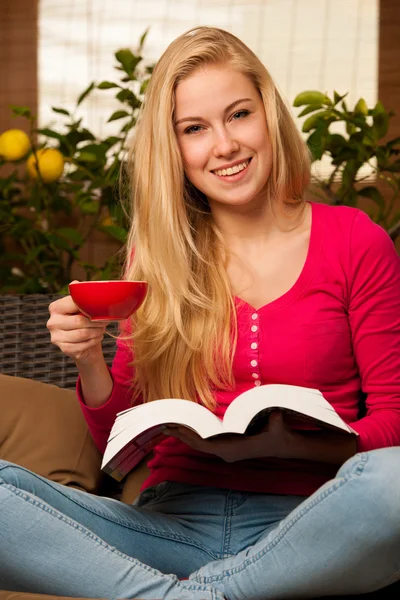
(64, 305)
(78, 336)
(69, 322)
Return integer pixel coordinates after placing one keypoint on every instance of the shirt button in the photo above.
(257, 383)
(253, 346)
(254, 316)
(254, 363)
(254, 327)
(255, 375)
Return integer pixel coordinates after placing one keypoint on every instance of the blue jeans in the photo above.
(344, 539)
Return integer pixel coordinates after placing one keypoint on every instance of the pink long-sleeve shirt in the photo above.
(337, 329)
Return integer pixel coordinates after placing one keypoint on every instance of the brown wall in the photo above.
(389, 61)
(388, 71)
(18, 59)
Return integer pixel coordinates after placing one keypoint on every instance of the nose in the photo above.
(224, 144)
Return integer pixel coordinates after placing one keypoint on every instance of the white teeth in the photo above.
(232, 170)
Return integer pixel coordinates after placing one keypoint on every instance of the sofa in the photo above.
(41, 424)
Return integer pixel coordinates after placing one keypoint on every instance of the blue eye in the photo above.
(193, 129)
(240, 114)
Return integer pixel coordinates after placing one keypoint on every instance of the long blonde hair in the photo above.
(184, 335)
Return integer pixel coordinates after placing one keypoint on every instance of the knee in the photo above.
(384, 466)
(379, 481)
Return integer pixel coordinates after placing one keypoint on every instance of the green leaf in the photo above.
(77, 175)
(316, 119)
(118, 114)
(99, 150)
(381, 121)
(378, 109)
(348, 197)
(126, 95)
(128, 60)
(311, 97)
(350, 172)
(367, 140)
(51, 134)
(143, 86)
(85, 93)
(309, 109)
(114, 231)
(128, 126)
(143, 39)
(373, 194)
(21, 111)
(107, 85)
(62, 111)
(88, 157)
(89, 207)
(361, 107)
(59, 242)
(338, 97)
(70, 234)
(336, 141)
(316, 143)
(350, 128)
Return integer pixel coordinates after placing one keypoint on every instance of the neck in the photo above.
(253, 227)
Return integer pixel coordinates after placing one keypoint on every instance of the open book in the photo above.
(137, 430)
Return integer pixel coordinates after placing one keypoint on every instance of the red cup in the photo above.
(108, 300)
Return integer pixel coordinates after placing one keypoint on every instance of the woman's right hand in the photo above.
(76, 335)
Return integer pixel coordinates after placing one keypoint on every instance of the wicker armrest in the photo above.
(25, 347)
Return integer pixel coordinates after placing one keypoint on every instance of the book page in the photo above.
(130, 423)
(307, 401)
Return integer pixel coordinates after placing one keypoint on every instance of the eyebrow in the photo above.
(227, 109)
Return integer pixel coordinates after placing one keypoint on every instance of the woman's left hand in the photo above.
(276, 440)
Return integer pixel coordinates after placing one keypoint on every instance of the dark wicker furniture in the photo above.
(25, 347)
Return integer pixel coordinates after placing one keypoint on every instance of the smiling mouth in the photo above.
(232, 170)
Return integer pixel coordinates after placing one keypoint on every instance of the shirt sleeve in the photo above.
(374, 313)
(101, 419)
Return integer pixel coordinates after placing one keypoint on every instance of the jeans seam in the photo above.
(233, 571)
(123, 523)
(226, 549)
(86, 532)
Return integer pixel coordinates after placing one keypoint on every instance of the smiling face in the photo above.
(223, 137)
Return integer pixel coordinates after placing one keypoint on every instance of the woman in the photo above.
(249, 284)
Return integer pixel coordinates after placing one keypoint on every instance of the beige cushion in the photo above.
(42, 428)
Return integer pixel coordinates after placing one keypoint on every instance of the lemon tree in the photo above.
(64, 186)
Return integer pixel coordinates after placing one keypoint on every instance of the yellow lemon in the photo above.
(14, 144)
(50, 163)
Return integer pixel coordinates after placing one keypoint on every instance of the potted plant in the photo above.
(59, 187)
(362, 142)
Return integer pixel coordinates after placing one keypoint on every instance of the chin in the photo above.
(241, 200)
